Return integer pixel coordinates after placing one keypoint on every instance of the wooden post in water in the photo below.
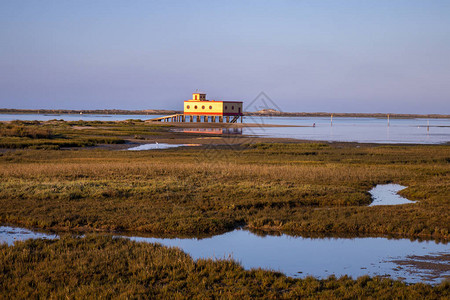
(331, 120)
(388, 120)
(428, 125)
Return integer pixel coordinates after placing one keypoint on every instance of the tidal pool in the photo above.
(412, 261)
(156, 146)
(321, 257)
(386, 194)
(9, 235)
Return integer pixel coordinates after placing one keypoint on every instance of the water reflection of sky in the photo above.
(9, 235)
(364, 130)
(226, 130)
(319, 257)
(156, 146)
(74, 117)
(386, 194)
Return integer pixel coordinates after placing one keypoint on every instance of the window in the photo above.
(195, 107)
(226, 107)
(232, 108)
(188, 107)
(203, 107)
(210, 107)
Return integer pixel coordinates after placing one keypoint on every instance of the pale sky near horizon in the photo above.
(307, 55)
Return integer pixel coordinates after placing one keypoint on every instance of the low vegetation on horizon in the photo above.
(263, 112)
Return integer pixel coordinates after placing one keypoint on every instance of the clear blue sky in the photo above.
(334, 56)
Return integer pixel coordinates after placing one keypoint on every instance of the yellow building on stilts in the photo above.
(199, 109)
(212, 111)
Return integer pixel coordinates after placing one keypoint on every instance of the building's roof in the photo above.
(224, 101)
(193, 100)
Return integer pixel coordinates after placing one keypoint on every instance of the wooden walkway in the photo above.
(171, 118)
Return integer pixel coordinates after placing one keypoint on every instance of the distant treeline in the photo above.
(265, 112)
(271, 112)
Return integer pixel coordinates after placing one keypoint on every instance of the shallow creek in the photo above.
(298, 257)
(386, 194)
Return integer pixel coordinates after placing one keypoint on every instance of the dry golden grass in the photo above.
(301, 188)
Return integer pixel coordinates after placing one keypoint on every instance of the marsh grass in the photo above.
(56, 134)
(106, 267)
(301, 188)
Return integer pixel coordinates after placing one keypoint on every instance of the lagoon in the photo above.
(342, 129)
(74, 117)
(361, 130)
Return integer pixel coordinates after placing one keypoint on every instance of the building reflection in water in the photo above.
(228, 130)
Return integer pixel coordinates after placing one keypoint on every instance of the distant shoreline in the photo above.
(270, 113)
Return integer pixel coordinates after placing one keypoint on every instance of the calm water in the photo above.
(156, 146)
(9, 235)
(364, 130)
(300, 257)
(386, 194)
(74, 117)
